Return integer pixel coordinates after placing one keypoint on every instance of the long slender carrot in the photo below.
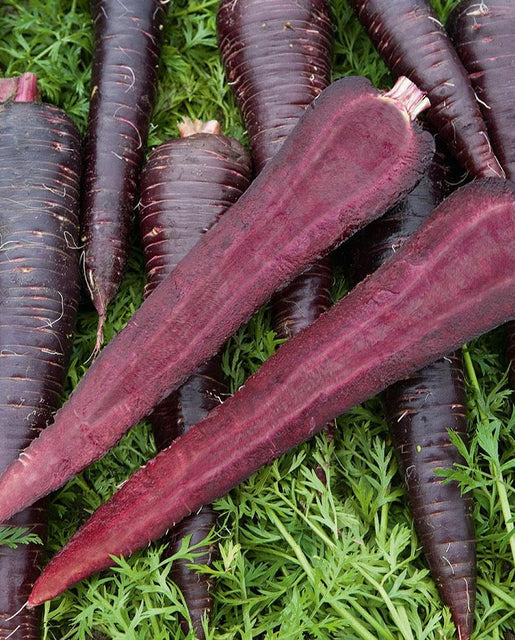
(417, 306)
(413, 43)
(124, 70)
(39, 292)
(484, 37)
(354, 152)
(187, 184)
(421, 409)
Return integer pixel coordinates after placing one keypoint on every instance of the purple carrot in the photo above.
(419, 305)
(39, 292)
(484, 37)
(277, 56)
(186, 186)
(353, 153)
(420, 410)
(124, 70)
(413, 43)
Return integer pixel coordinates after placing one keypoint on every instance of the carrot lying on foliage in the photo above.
(186, 185)
(354, 152)
(484, 37)
(124, 71)
(413, 43)
(277, 58)
(419, 305)
(39, 292)
(420, 410)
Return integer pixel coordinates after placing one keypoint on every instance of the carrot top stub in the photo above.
(22, 88)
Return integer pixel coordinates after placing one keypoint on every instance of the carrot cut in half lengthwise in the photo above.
(123, 85)
(413, 43)
(39, 292)
(187, 184)
(416, 307)
(354, 152)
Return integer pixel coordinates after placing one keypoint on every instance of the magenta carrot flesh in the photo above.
(419, 305)
(354, 152)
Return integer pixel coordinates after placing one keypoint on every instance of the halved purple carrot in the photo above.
(421, 409)
(413, 43)
(187, 184)
(354, 152)
(124, 71)
(484, 37)
(39, 292)
(419, 305)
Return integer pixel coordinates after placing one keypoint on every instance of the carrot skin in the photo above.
(484, 37)
(277, 59)
(412, 310)
(420, 409)
(187, 184)
(124, 71)
(413, 43)
(39, 292)
(274, 230)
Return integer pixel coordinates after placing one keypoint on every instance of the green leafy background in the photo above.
(298, 559)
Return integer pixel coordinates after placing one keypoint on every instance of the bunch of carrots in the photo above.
(408, 191)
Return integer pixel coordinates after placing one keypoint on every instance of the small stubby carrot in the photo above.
(123, 84)
(39, 293)
(412, 41)
(420, 410)
(483, 34)
(187, 184)
(419, 305)
(354, 152)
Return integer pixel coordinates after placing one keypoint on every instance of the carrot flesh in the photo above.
(124, 71)
(413, 43)
(187, 184)
(39, 293)
(358, 151)
(412, 310)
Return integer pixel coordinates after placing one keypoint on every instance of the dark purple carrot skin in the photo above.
(352, 155)
(413, 43)
(420, 409)
(39, 292)
(124, 70)
(187, 184)
(416, 307)
(277, 56)
(484, 37)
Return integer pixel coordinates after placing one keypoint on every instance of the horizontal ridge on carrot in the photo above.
(354, 152)
(419, 305)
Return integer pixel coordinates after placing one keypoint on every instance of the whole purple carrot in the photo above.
(39, 292)
(186, 186)
(420, 410)
(412, 42)
(484, 37)
(124, 70)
